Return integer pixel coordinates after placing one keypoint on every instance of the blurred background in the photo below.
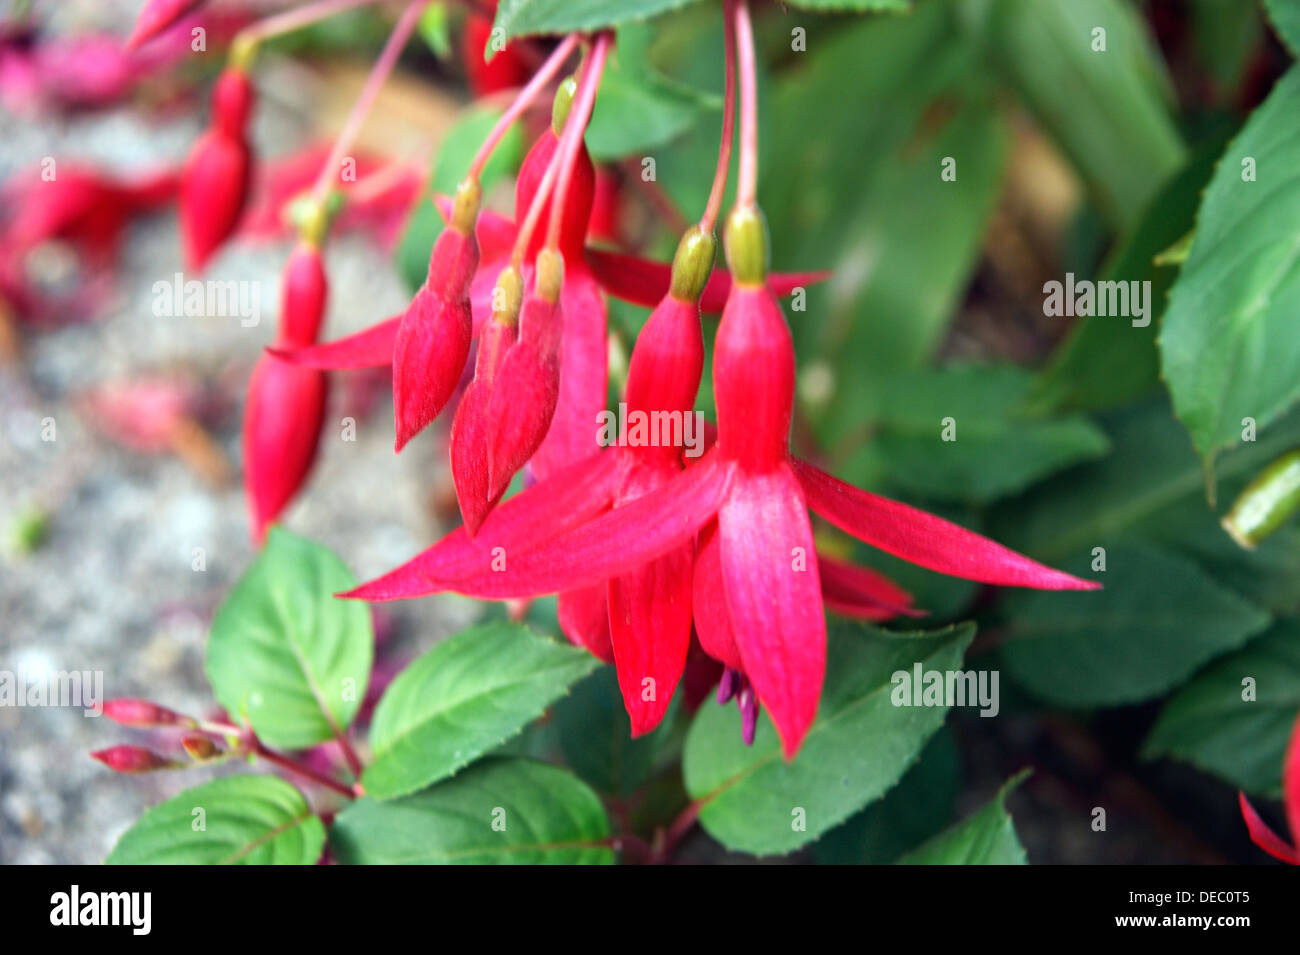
(124, 530)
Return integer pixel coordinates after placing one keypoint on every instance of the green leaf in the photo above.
(637, 108)
(986, 838)
(1159, 618)
(499, 811)
(1285, 17)
(1210, 724)
(860, 745)
(1228, 346)
(464, 697)
(1119, 132)
(238, 820)
(852, 6)
(285, 655)
(434, 30)
(520, 17)
(457, 151)
(913, 811)
(596, 737)
(1106, 361)
(997, 448)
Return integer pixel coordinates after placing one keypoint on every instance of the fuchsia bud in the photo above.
(132, 759)
(434, 335)
(286, 402)
(156, 16)
(214, 187)
(143, 714)
(200, 748)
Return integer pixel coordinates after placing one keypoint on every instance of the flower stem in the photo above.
(710, 217)
(525, 98)
(292, 766)
(583, 102)
(667, 843)
(747, 178)
(366, 99)
(296, 19)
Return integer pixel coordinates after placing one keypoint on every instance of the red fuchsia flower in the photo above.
(132, 759)
(506, 70)
(286, 402)
(1260, 833)
(156, 16)
(214, 188)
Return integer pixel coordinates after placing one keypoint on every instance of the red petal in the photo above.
(862, 593)
(538, 514)
(429, 356)
(584, 619)
(709, 601)
(924, 539)
(1263, 836)
(369, 348)
(584, 374)
(1291, 782)
(769, 572)
(645, 282)
(612, 544)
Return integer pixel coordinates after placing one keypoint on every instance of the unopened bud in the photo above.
(200, 748)
(1266, 503)
(562, 104)
(692, 264)
(550, 275)
(132, 759)
(143, 714)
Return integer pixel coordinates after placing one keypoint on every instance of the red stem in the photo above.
(295, 767)
(747, 178)
(574, 128)
(710, 217)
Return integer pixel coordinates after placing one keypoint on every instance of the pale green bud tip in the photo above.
(746, 244)
(313, 218)
(550, 274)
(243, 51)
(464, 210)
(692, 264)
(1266, 503)
(562, 104)
(508, 295)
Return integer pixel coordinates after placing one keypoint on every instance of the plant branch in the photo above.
(710, 217)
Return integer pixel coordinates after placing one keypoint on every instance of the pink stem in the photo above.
(299, 17)
(574, 128)
(366, 99)
(525, 98)
(747, 179)
(710, 217)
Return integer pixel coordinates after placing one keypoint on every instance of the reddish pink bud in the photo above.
(434, 335)
(132, 759)
(200, 748)
(214, 187)
(504, 71)
(468, 447)
(577, 203)
(156, 16)
(286, 402)
(143, 714)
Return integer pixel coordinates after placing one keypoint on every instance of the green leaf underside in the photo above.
(858, 748)
(464, 697)
(284, 654)
(542, 814)
(1210, 724)
(988, 837)
(244, 820)
(1228, 346)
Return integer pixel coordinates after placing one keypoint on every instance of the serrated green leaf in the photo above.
(499, 811)
(238, 820)
(464, 697)
(1159, 618)
(987, 838)
(1214, 724)
(1120, 133)
(520, 17)
(285, 655)
(1228, 347)
(754, 801)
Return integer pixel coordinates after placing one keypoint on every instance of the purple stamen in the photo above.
(728, 685)
(748, 704)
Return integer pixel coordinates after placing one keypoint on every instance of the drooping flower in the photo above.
(214, 187)
(286, 402)
(1260, 833)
